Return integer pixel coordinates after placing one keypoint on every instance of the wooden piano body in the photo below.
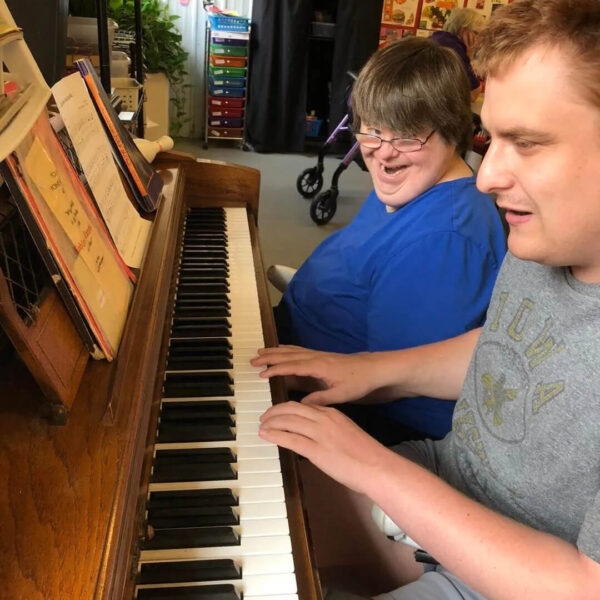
(72, 496)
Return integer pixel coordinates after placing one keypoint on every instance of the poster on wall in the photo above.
(401, 13)
(398, 19)
(486, 7)
(435, 12)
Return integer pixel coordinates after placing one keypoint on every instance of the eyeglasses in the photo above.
(373, 142)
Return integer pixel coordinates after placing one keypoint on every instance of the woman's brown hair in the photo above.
(412, 87)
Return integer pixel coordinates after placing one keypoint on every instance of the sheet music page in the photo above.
(91, 266)
(128, 229)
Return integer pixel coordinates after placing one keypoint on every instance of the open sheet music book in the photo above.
(53, 200)
(94, 153)
(145, 183)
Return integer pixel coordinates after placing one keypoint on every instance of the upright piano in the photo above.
(157, 485)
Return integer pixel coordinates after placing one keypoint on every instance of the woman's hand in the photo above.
(343, 377)
(327, 438)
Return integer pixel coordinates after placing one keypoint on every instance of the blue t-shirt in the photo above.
(394, 280)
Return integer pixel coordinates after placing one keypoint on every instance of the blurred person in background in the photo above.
(460, 33)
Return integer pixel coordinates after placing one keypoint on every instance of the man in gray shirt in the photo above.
(509, 501)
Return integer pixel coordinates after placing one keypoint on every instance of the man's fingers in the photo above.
(319, 398)
(273, 356)
(289, 409)
(292, 441)
(302, 368)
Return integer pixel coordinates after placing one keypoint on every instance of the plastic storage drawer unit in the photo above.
(226, 102)
(227, 71)
(222, 41)
(234, 113)
(227, 82)
(226, 91)
(221, 122)
(224, 132)
(228, 23)
(217, 50)
(228, 61)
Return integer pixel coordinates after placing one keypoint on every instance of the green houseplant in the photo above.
(162, 49)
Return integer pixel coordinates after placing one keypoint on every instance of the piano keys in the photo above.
(216, 492)
(142, 474)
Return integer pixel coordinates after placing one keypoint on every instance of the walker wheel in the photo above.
(309, 182)
(323, 207)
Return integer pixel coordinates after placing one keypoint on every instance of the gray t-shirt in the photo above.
(525, 436)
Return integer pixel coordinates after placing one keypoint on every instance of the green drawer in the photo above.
(227, 71)
(228, 50)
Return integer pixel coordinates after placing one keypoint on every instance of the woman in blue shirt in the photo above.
(418, 262)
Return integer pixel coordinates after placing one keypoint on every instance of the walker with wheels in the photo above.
(310, 181)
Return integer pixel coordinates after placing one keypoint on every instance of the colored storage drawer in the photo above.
(226, 102)
(223, 41)
(227, 71)
(227, 82)
(223, 122)
(235, 113)
(228, 92)
(228, 50)
(224, 132)
(228, 61)
(228, 23)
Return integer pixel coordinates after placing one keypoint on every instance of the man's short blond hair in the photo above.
(573, 26)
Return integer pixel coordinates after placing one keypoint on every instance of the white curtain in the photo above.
(191, 25)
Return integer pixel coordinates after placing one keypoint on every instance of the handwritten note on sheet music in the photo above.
(128, 229)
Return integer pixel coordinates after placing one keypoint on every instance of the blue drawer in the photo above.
(231, 92)
(227, 81)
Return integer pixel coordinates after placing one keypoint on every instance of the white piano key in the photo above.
(263, 527)
(270, 563)
(253, 465)
(245, 481)
(266, 510)
(249, 546)
(250, 450)
(253, 407)
(272, 597)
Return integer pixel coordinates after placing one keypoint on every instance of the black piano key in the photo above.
(194, 431)
(206, 242)
(190, 326)
(193, 537)
(188, 570)
(220, 346)
(205, 272)
(164, 472)
(204, 297)
(200, 321)
(189, 309)
(199, 363)
(211, 409)
(190, 385)
(194, 592)
(197, 455)
(188, 278)
(197, 253)
(217, 516)
(204, 238)
(204, 287)
(192, 498)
